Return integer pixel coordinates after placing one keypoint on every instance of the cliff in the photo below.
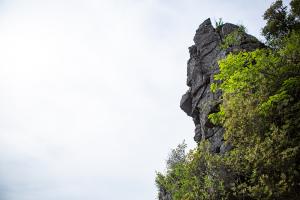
(198, 102)
(255, 101)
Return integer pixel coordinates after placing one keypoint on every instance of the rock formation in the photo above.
(198, 102)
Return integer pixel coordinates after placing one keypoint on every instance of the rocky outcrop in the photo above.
(164, 195)
(198, 102)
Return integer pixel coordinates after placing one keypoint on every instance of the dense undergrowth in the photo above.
(260, 111)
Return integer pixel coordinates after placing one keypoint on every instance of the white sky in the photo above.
(90, 91)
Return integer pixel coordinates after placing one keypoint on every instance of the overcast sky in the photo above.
(90, 91)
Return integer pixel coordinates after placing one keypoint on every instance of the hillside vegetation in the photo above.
(260, 111)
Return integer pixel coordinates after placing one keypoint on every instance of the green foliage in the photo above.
(219, 24)
(218, 117)
(277, 21)
(280, 22)
(261, 114)
(234, 38)
(295, 8)
(177, 156)
(198, 177)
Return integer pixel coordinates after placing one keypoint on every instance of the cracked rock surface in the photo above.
(198, 102)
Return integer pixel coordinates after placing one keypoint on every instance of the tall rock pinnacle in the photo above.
(198, 102)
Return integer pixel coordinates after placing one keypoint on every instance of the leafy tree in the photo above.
(177, 156)
(277, 21)
(280, 22)
(197, 177)
(260, 113)
(295, 9)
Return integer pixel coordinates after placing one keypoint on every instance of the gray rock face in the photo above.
(164, 195)
(198, 102)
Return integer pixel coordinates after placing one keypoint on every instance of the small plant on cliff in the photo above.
(219, 23)
(234, 38)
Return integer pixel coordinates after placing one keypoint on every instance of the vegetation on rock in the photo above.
(234, 38)
(260, 111)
